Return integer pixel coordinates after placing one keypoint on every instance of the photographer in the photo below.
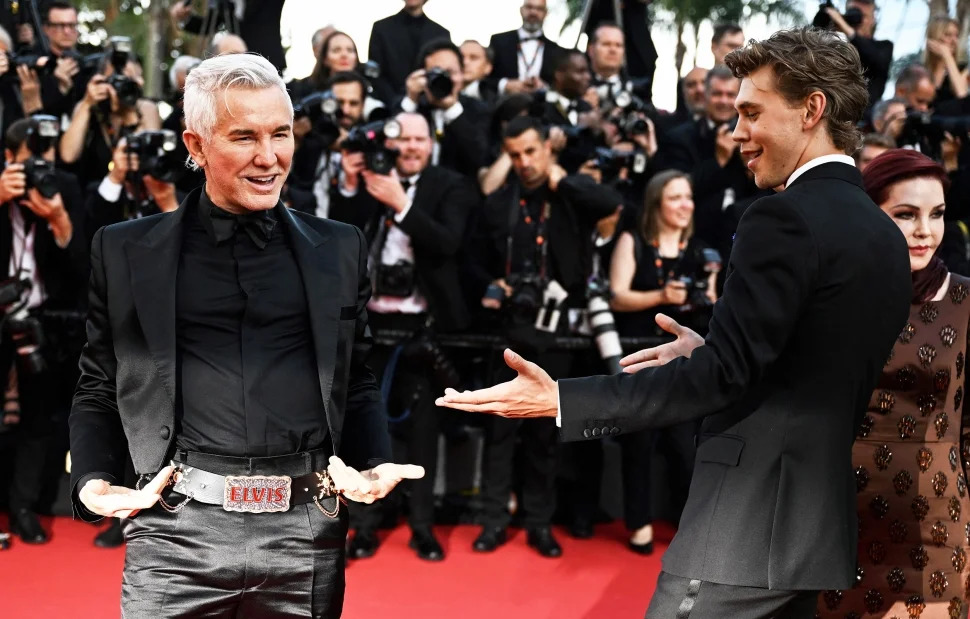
(531, 260)
(525, 58)
(112, 108)
(659, 266)
(62, 85)
(42, 241)
(607, 55)
(457, 121)
(338, 54)
(478, 66)
(572, 106)
(19, 86)
(316, 162)
(414, 218)
(706, 150)
(127, 192)
(859, 25)
(940, 58)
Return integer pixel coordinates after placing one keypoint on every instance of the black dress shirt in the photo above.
(247, 371)
(526, 256)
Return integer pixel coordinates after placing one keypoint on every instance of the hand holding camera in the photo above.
(13, 182)
(386, 189)
(64, 71)
(121, 162)
(436, 84)
(29, 90)
(352, 165)
(674, 292)
(98, 90)
(725, 146)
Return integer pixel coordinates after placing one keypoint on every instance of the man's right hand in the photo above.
(687, 340)
(103, 499)
(13, 182)
(352, 165)
(180, 11)
(65, 70)
(416, 84)
(97, 91)
(675, 292)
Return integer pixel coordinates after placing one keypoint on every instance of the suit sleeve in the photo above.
(595, 201)
(676, 154)
(98, 444)
(469, 142)
(441, 233)
(366, 442)
(775, 265)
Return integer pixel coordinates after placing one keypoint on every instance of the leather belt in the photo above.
(253, 493)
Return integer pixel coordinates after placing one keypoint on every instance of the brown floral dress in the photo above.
(914, 516)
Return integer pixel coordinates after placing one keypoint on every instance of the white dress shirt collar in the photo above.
(805, 167)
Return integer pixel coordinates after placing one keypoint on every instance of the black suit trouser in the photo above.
(204, 561)
(38, 396)
(677, 597)
(538, 440)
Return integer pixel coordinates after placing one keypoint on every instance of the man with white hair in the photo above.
(226, 346)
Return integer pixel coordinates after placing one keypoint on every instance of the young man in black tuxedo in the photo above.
(457, 121)
(414, 220)
(225, 355)
(818, 290)
(396, 40)
(525, 59)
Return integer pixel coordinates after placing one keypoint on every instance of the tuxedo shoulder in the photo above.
(134, 228)
(330, 226)
(504, 36)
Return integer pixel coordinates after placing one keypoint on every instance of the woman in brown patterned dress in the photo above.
(914, 516)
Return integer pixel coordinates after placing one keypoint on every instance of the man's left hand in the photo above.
(386, 189)
(373, 484)
(51, 209)
(531, 394)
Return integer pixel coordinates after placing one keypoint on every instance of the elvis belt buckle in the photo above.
(257, 494)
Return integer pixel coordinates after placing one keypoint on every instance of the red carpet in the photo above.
(595, 579)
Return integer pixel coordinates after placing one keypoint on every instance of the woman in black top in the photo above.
(657, 266)
(942, 43)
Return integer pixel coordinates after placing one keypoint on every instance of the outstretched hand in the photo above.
(530, 394)
(372, 484)
(687, 340)
(103, 499)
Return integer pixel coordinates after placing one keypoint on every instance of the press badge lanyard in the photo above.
(542, 245)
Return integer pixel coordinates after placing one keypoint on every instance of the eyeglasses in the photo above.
(62, 25)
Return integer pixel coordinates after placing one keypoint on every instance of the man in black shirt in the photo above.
(226, 341)
(876, 55)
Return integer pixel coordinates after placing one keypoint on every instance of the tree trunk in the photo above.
(157, 29)
(939, 7)
(681, 49)
(697, 40)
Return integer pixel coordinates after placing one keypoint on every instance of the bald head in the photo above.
(226, 43)
(415, 144)
(533, 14)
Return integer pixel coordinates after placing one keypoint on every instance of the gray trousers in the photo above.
(684, 598)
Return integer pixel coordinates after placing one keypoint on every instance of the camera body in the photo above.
(526, 297)
(929, 130)
(697, 282)
(42, 134)
(323, 111)
(118, 52)
(394, 280)
(852, 16)
(370, 139)
(632, 120)
(440, 84)
(156, 154)
(610, 162)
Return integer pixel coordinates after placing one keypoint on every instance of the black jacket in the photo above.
(443, 203)
(576, 206)
(876, 57)
(505, 46)
(818, 289)
(259, 28)
(396, 53)
(464, 144)
(125, 399)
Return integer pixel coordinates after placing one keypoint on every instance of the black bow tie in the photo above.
(530, 37)
(259, 225)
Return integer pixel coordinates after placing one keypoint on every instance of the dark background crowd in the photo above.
(514, 193)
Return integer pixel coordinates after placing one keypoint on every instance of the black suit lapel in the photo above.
(153, 262)
(320, 279)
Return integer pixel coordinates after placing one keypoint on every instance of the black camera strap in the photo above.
(521, 210)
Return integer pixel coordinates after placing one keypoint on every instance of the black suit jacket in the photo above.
(126, 394)
(392, 48)
(818, 289)
(443, 202)
(505, 46)
(259, 28)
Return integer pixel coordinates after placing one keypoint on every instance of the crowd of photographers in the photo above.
(515, 193)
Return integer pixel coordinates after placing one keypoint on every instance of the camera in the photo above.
(370, 140)
(394, 280)
(697, 282)
(423, 350)
(118, 52)
(440, 83)
(598, 296)
(43, 65)
(156, 154)
(632, 120)
(42, 134)
(611, 162)
(323, 111)
(852, 16)
(28, 338)
(526, 297)
(370, 69)
(928, 130)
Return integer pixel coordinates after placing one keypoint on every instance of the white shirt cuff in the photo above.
(110, 190)
(407, 105)
(501, 85)
(558, 407)
(454, 112)
(399, 217)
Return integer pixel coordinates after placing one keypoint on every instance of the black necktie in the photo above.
(406, 184)
(259, 225)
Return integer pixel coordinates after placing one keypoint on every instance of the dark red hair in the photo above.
(895, 166)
